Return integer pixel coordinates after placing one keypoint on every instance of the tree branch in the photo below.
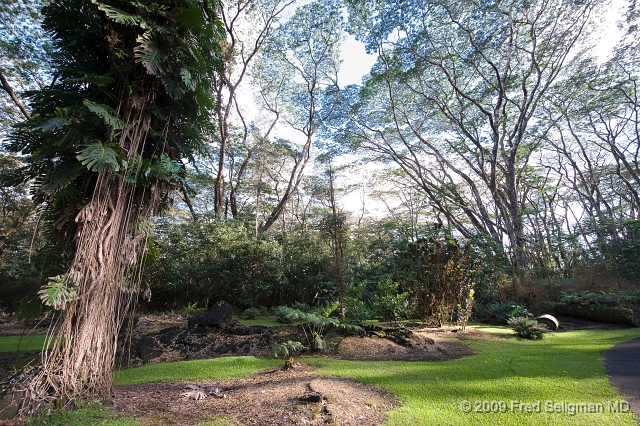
(7, 88)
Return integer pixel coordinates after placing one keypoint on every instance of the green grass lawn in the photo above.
(21, 343)
(202, 369)
(505, 375)
(562, 368)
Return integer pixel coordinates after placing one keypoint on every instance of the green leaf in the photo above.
(150, 55)
(135, 169)
(108, 114)
(97, 156)
(165, 168)
(286, 349)
(59, 177)
(54, 123)
(57, 292)
(120, 16)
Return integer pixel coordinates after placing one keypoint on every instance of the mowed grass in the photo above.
(202, 369)
(22, 343)
(564, 368)
(261, 321)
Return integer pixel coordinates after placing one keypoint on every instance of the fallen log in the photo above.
(626, 316)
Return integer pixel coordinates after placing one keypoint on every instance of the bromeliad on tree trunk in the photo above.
(130, 98)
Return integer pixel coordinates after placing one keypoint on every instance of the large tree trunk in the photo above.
(105, 274)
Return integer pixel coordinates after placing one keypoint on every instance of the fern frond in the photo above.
(286, 349)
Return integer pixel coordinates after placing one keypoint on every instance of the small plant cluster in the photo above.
(286, 350)
(527, 328)
(507, 310)
(253, 313)
(315, 324)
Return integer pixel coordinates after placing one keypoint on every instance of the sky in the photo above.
(355, 62)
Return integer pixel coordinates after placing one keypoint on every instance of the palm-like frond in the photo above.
(60, 177)
(119, 16)
(108, 114)
(98, 156)
(165, 168)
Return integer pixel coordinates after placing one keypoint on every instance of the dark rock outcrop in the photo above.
(220, 315)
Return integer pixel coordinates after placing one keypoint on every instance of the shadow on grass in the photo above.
(564, 368)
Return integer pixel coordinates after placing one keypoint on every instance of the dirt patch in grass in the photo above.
(277, 397)
(422, 346)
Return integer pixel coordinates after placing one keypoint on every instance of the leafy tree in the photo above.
(249, 24)
(439, 279)
(454, 100)
(21, 242)
(334, 225)
(307, 269)
(298, 78)
(131, 97)
(206, 262)
(24, 49)
(390, 303)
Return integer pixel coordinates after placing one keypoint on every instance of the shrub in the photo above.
(301, 306)
(281, 313)
(356, 308)
(252, 313)
(527, 328)
(579, 298)
(506, 310)
(617, 297)
(389, 303)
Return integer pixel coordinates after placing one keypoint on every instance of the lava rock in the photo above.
(173, 336)
(148, 348)
(220, 315)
